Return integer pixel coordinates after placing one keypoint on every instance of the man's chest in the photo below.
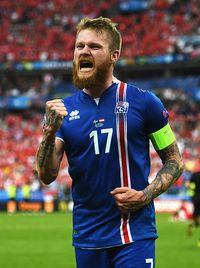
(102, 125)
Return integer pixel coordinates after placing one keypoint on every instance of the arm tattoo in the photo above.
(52, 119)
(168, 174)
(48, 143)
(171, 152)
(45, 151)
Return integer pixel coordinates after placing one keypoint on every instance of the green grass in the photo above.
(29, 240)
(36, 240)
(174, 248)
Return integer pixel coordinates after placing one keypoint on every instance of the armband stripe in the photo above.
(162, 138)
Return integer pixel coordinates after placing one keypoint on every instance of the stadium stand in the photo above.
(34, 30)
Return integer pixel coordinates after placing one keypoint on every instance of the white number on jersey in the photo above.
(150, 260)
(94, 135)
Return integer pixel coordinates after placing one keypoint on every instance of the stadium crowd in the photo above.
(20, 135)
(44, 30)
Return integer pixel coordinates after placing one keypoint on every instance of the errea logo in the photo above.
(74, 115)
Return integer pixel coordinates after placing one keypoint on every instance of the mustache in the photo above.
(82, 57)
(88, 59)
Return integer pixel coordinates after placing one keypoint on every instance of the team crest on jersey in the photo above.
(74, 115)
(121, 107)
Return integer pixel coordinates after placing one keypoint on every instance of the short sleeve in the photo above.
(59, 135)
(156, 116)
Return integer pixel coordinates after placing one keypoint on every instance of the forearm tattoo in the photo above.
(48, 143)
(52, 119)
(45, 152)
(168, 174)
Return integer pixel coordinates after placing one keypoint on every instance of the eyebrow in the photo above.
(92, 43)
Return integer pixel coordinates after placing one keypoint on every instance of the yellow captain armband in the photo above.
(162, 138)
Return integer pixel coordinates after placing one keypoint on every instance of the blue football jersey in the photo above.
(107, 146)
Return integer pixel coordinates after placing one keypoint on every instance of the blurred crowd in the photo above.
(20, 136)
(32, 86)
(44, 30)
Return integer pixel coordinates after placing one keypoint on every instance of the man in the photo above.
(194, 193)
(105, 129)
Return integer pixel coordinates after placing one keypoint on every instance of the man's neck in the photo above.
(97, 92)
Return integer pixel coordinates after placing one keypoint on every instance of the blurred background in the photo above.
(161, 53)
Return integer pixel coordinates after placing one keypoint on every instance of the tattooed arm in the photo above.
(50, 152)
(131, 200)
(168, 174)
(48, 158)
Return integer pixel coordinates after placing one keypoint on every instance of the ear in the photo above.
(115, 56)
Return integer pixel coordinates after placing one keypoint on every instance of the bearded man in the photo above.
(105, 130)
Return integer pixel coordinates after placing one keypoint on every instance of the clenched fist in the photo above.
(55, 112)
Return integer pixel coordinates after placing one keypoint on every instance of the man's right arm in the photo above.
(50, 152)
(48, 158)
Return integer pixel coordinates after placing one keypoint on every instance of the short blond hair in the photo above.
(101, 24)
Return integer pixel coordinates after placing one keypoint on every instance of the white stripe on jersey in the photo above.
(121, 129)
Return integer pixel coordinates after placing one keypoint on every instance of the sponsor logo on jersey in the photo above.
(74, 115)
(121, 107)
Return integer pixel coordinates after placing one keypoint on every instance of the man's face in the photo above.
(92, 59)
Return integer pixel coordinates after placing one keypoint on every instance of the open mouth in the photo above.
(86, 66)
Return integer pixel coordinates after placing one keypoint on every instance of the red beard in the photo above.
(96, 80)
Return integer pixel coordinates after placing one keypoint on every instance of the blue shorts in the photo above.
(139, 254)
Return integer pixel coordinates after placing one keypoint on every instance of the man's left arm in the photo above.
(171, 170)
(129, 200)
